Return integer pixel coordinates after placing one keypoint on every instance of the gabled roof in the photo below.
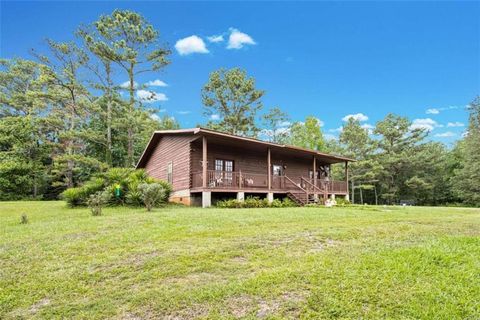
(208, 132)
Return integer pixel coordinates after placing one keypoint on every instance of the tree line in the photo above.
(396, 161)
(64, 118)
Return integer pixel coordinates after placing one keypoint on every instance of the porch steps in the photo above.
(301, 198)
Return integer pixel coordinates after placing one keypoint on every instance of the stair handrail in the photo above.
(299, 187)
(311, 184)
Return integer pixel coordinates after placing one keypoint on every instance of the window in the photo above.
(223, 165)
(170, 172)
(277, 170)
(224, 171)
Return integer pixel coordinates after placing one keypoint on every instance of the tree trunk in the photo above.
(35, 186)
(70, 164)
(108, 155)
(130, 132)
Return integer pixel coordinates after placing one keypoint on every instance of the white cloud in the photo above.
(368, 127)
(183, 112)
(357, 116)
(238, 39)
(267, 134)
(447, 134)
(150, 96)
(156, 83)
(426, 124)
(437, 110)
(455, 124)
(126, 85)
(329, 136)
(215, 38)
(284, 124)
(339, 129)
(215, 117)
(189, 45)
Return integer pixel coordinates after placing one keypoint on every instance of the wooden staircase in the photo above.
(304, 195)
(301, 198)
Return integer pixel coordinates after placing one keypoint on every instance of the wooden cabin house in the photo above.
(204, 165)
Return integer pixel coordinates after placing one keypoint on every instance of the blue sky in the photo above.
(327, 59)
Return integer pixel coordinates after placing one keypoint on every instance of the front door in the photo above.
(278, 174)
(224, 172)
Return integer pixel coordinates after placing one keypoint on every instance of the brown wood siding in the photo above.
(175, 149)
(251, 161)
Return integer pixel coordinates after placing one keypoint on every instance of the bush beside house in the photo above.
(122, 184)
(256, 202)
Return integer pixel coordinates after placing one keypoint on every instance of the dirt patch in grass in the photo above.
(195, 279)
(140, 258)
(193, 312)
(240, 306)
(34, 308)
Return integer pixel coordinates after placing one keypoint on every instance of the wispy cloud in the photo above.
(156, 83)
(357, 116)
(438, 110)
(368, 127)
(284, 123)
(238, 39)
(447, 134)
(184, 112)
(330, 136)
(148, 96)
(215, 38)
(126, 85)
(339, 129)
(426, 124)
(215, 117)
(189, 45)
(455, 124)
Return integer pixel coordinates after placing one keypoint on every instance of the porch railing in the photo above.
(230, 180)
(332, 186)
(238, 180)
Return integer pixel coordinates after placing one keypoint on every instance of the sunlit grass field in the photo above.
(187, 263)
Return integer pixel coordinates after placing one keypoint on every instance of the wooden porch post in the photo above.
(269, 173)
(346, 179)
(314, 171)
(204, 161)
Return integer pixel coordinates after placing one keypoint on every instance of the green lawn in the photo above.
(184, 263)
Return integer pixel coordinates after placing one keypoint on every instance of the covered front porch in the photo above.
(223, 166)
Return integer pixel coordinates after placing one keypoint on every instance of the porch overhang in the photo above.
(233, 140)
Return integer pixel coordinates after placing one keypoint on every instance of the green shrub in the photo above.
(342, 202)
(128, 181)
(78, 196)
(276, 203)
(97, 201)
(151, 194)
(73, 196)
(255, 202)
(23, 218)
(230, 203)
(287, 202)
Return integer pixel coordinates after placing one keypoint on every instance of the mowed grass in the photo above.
(186, 263)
